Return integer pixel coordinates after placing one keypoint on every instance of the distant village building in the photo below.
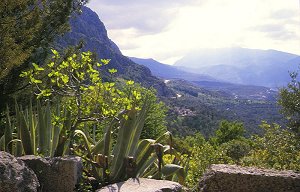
(184, 112)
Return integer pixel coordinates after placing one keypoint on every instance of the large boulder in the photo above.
(143, 185)
(232, 178)
(15, 176)
(55, 174)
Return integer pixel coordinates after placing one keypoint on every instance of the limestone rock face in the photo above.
(232, 178)
(143, 185)
(88, 27)
(58, 174)
(15, 176)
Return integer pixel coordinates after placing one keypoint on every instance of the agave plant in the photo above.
(114, 160)
(33, 132)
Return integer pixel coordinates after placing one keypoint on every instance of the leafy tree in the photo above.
(202, 155)
(289, 99)
(237, 149)
(278, 148)
(155, 124)
(76, 81)
(228, 131)
(27, 29)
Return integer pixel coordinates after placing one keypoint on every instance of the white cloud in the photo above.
(166, 30)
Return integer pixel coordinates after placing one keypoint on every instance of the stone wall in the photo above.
(61, 174)
(15, 176)
(55, 174)
(31, 173)
(232, 178)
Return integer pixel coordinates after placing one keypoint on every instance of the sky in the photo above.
(166, 30)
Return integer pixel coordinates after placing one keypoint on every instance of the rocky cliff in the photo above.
(89, 28)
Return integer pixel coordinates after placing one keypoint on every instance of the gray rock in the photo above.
(232, 178)
(143, 185)
(60, 174)
(15, 176)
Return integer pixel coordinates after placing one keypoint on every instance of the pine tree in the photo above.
(27, 29)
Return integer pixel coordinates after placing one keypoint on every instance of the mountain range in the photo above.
(268, 68)
(235, 90)
(165, 71)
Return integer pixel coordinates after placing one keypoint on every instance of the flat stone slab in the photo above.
(233, 178)
(142, 185)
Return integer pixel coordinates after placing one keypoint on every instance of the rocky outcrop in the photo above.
(60, 174)
(143, 185)
(232, 178)
(89, 28)
(15, 176)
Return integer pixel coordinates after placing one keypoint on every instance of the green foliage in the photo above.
(27, 29)
(76, 82)
(236, 149)
(202, 155)
(228, 131)
(227, 146)
(107, 119)
(212, 105)
(112, 160)
(277, 148)
(37, 131)
(289, 99)
(155, 124)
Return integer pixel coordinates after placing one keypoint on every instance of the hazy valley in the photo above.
(212, 92)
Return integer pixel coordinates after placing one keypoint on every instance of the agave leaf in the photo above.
(2, 143)
(128, 137)
(88, 147)
(55, 132)
(17, 148)
(63, 138)
(146, 165)
(7, 132)
(143, 146)
(107, 137)
(32, 127)
(163, 137)
(103, 146)
(151, 171)
(41, 131)
(144, 152)
(87, 133)
(23, 132)
(99, 146)
(138, 128)
(170, 169)
(48, 130)
(122, 146)
(85, 139)
(25, 135)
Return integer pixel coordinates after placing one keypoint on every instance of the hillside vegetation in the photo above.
(89, 100)
(210, 107)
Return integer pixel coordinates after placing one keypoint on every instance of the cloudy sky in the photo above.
(168, 29)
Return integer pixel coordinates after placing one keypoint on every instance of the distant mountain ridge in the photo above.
(170, 72)
(89, 28)
(244, 66)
